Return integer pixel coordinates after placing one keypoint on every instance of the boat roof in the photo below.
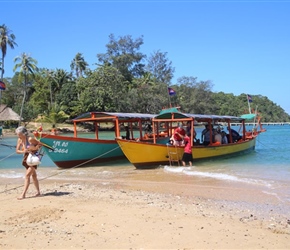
(248, 116)
(165, 114)
(175, 114)
(109, 116)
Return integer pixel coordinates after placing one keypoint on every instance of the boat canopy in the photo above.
(217, 118)
(89, 116)
(248, 116)
(173, 113)
(165, 114)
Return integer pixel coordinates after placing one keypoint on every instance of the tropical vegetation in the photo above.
(122, 80)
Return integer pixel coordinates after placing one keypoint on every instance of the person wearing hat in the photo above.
(26, 145)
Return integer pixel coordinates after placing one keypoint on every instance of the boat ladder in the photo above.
(173, 155)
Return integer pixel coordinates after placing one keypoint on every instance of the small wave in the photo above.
(175, 169)
(273, 194)
(11, 175)
(219, 176)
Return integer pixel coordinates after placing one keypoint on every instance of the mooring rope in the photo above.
(7, 156)
(64, 170)
(266, 146)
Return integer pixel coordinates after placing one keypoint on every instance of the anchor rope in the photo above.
(65, 170)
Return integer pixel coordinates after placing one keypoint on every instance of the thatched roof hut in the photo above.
(7, 114)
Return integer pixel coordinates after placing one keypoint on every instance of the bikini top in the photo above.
(27, 143)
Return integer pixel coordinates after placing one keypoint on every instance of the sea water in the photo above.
(267, 166)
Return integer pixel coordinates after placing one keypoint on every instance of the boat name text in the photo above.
(60, 147)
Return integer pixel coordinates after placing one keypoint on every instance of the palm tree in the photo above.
(79, 65)
(58, 78)
(54, 117)
(27, 66)
(6, 38)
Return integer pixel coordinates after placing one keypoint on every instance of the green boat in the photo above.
(101, 145)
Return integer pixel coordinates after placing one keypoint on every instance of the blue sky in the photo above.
(241, 46)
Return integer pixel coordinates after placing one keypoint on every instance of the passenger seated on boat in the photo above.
(205, 136)
(235, 135)
(224, 138)
(196, 142)
(148, 128)
(147, 135)
(127, 137)
(171, 141)
(188, 130)
(217, 137)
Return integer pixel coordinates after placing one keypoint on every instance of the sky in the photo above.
(242, 47)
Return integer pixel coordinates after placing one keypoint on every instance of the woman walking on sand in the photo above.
(26, 145)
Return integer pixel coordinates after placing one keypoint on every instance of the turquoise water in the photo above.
(268, 166)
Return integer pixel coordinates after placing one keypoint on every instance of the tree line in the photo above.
(123, 80)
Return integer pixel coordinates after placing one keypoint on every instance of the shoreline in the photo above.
(113, 207)
(141, 210)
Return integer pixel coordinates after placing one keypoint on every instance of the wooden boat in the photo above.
(152, 154)
(69, 151)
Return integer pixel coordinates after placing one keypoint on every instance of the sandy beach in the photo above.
(145, 210)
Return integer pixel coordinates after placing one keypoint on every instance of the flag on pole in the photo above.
(171, 91)
(2, 85)
(249, 98)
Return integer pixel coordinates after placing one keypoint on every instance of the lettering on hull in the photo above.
(60, 147)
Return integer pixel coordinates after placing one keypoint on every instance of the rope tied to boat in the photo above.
(63, 171)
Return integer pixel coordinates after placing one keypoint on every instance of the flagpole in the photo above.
(256, 112)
(249, 104)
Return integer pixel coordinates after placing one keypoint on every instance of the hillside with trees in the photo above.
(123, 80)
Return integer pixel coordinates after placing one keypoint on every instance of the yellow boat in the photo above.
(143, 154)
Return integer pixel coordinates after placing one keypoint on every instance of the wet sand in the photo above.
(112, 209)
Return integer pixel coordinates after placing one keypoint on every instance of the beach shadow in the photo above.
(55, 193)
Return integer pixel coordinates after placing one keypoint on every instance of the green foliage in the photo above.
(78, 65)
(122, 82)
(102, 90)
(7, 39)
(160, 67)
(123, 54)
(53, 117)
